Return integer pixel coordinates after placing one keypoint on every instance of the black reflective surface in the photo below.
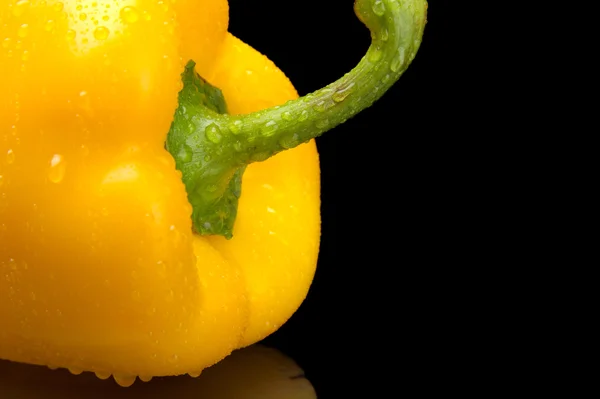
(253, 372)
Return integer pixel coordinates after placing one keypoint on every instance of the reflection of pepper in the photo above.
(101, 268)
(252, 372)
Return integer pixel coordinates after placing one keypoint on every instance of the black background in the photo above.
(363, 313)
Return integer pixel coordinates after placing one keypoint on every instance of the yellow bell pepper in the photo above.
(125, 247)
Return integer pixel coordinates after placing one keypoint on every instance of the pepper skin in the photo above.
(100, 267)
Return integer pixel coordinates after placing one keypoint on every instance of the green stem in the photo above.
(210, 148)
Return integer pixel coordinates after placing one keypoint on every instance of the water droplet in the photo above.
(145, 378)
(25, 55)
(49, 25)
(124, 380)
(269, 129)
(83, 16)
(58, 7)
(385, 35)
(10, 157)
(6, 42)
(287, 116)
(342, 93)
(1, 180)
(378, 7)
(56, 172)
(106, 18)
(101, 33)
(23, 31)
(71, 34)
(236, 127)
(289, 141)
(164, 5)
(398, 61)
(321, 106)
(322, 123)
(375, 54)
(185, 154)
(20, 8)
(303, 116)
(75, 371)
(136, 295)
(260, 156)
(32, 295)
(102, 375)
(195, 374)
(213, 133)
(130, 14)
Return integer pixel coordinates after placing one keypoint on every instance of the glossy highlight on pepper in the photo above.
(104, 266)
